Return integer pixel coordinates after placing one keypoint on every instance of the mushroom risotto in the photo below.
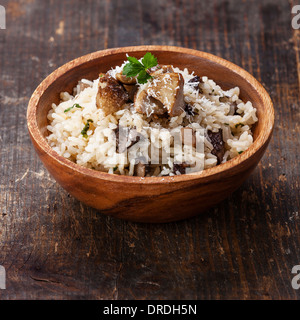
(147, 119)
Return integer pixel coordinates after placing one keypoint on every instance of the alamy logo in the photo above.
(296, 279)
(296, 19)
(2, 278)
(2, 18)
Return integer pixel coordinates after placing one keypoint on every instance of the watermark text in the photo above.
(296, 279)
(2, 17)
(296, 18)
(2, 278)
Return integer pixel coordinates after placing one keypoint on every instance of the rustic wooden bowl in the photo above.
(154, 199)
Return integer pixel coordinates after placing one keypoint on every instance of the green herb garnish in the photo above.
(76, 105)
(240, 152)
(239, 124)
(86, 128)
(136, 68)
(115, 168)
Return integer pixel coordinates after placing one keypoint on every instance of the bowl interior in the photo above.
(202, 66)
(223, 72)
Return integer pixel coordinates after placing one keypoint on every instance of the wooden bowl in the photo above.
(152, 199)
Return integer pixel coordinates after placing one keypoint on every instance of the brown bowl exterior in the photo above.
(155, 199)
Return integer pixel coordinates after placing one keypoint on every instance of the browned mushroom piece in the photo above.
(124, 79)
(163, 94)
(148, 105)
(159, 69)
(131, 90)
(111, 95)
(168, 89)
(216, 139)
(129, 84)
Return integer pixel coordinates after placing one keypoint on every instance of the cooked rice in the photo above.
(98, 149)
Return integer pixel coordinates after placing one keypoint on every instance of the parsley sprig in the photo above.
(136, 68)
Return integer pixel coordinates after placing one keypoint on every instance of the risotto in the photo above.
(161, 122)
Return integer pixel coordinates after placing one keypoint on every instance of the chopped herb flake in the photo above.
(76, 105)
(240, 152)
(86, 128)
(239, 124)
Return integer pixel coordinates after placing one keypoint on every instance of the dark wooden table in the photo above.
(54, 247)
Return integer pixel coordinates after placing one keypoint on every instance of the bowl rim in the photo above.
(258, 144)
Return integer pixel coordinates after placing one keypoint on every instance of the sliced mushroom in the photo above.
(168, 89)
(216, 139)
(111, 95)
(131, 90)
(148, 105)
(163, 94)
(129, 84)
(159, 69)
(124, 79)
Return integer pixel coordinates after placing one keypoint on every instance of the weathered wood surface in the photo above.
(53, 247)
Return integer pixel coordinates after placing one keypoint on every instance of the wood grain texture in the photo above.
(54, 247)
